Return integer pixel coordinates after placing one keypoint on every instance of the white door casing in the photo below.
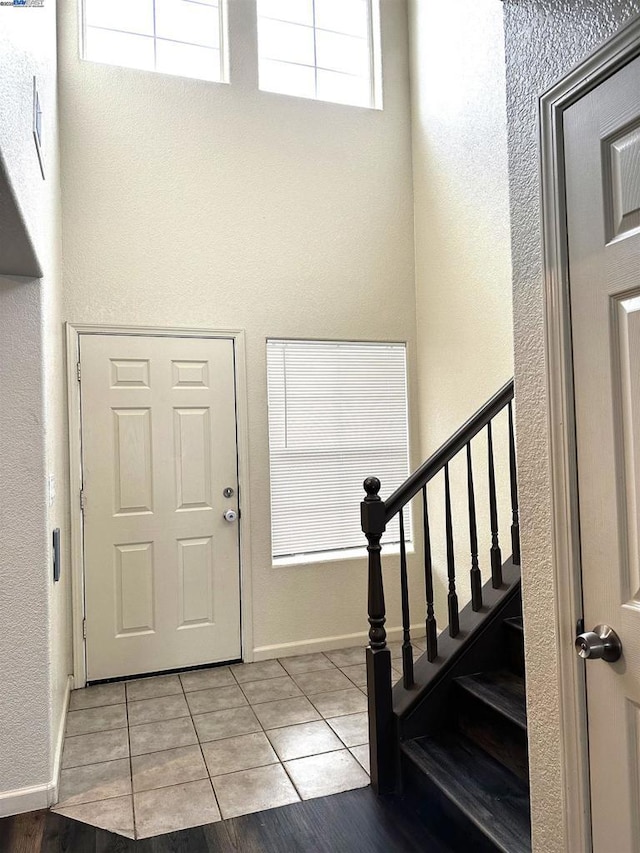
(602, 165)
(162, 582)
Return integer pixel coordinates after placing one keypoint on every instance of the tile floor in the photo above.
(155, 755)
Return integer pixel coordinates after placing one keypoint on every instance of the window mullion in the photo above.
(155, 38)
(315, 48)
(372, 70)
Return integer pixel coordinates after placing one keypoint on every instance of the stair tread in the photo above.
(502, 690)
(492, 797)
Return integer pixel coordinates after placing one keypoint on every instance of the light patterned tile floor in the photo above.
(155, 755)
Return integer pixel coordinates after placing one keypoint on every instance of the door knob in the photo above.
(602, 642)
(230, 515)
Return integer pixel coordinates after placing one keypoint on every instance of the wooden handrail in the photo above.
(449, 449)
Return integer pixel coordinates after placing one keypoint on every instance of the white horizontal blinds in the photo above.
(181, 37)
(337, 414)
(320, 49)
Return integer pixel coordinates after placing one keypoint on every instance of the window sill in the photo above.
(339, 556)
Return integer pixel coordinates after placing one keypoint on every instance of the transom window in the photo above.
(181, 37)
(320, 49)
(326, 436)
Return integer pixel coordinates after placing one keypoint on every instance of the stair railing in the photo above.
(376, 515)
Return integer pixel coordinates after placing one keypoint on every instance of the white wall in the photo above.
(33, 615)
(218, 206)
(544, 39)
(463, 265)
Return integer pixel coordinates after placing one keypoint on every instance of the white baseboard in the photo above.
(326, 644)
(57, 757)
(24, 800)
(39, 796)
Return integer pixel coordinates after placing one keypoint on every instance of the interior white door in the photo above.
(602, 150)
(161, 563)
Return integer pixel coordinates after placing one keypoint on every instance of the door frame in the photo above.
(237, 336)
(615, 53)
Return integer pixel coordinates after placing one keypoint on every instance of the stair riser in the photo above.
(448, 822)
(500, 737)
(514, 648)
(489, 650)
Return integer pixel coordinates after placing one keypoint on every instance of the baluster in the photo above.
(476, 580)
(381, 731)
(496, 555)
(430, 624)
(407, 650)
(515, 514)
(452, 598)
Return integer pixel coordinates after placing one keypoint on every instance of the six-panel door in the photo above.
(161, 563)
(602, 145)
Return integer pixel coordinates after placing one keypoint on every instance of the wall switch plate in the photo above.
(37, 125)
(56, 555)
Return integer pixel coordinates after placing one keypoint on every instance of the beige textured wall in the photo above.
(212, 206)
(463, 264)
(544, 39)
(33, 611)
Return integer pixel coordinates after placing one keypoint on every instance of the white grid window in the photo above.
(337, 414)
(320, 49)
(181, 37)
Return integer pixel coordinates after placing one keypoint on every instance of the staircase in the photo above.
(452, 734)
(473, 774)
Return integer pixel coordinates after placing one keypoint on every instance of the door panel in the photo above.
(162, 581)
(602, 153)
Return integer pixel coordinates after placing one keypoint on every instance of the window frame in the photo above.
(374, 40)
(223, 28)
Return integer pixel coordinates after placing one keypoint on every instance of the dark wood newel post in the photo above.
(382, 747)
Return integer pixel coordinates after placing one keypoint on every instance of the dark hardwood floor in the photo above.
(344, 823)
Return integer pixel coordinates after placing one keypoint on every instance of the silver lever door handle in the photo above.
(230, 515)
(602, 642)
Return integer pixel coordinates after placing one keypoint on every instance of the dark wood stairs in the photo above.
(451, 735)
(471, 775)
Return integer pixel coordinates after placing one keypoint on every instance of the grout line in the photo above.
(290, 778)
(218, 687)
(243, 693)
(93, 764)
(133, 804)
(164, 786)
(96, 732)
(314, 754)
(199, 743)
(246, 769)
(153, 698)
(87, 802)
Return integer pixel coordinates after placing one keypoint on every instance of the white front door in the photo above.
(161, 563)
(602, 151)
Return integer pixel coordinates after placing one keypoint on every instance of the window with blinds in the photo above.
(337, 414)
